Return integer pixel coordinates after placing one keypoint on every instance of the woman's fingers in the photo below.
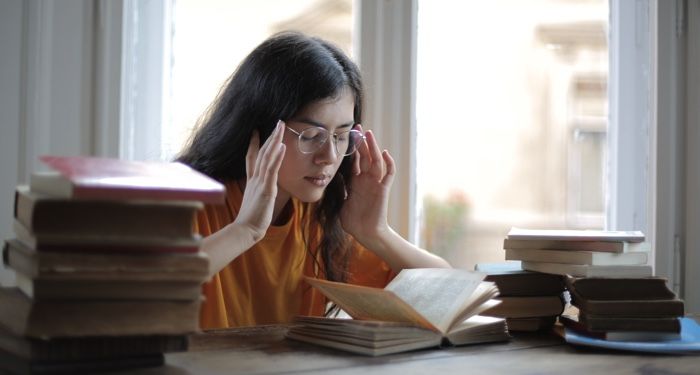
(390, 169)
(268, 149)
(363, 153)
(376, 165)
(251, 156)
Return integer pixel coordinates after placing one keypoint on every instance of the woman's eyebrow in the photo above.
(320, 125)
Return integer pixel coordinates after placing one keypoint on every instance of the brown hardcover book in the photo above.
(22, 316)
(574, 235)
(45, 215)
(13, 364)
(526, 307)
(598, 246)
(572, 322)
(82, 348)
(629, 308)
(517, 282)
(593, 258)
(606, 288)
(531, 324)
(74, 266)
(52, 288)
(61, 242)
(424, 305)
(607, 323)
(583, 270)
(83, 177)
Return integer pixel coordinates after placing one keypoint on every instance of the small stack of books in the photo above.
(623, 309)
(582, 253)
(530, 301)
(107, 264)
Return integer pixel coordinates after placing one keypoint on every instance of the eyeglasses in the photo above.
(313, 138)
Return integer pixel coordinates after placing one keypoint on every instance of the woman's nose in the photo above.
(327, 154)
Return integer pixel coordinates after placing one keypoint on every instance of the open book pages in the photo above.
(435, 299)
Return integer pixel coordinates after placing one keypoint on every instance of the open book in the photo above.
(420, 308)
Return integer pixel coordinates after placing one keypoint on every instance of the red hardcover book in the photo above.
(84, 177)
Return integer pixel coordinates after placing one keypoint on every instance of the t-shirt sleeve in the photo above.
(367, 269)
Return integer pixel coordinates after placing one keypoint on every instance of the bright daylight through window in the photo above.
(513, 108)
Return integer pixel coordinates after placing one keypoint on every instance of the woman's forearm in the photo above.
(400, 253)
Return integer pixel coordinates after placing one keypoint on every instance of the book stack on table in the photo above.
(530, 301)
(107, 264)
(624, 309)
(581, 253)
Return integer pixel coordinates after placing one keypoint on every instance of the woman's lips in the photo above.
(321, 181)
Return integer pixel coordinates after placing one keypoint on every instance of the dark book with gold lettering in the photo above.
(420, 308)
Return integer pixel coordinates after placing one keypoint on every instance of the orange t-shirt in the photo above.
(264, 285)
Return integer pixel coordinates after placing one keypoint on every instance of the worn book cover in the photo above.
(44, 215)
(628, 307)
(95, 266)
(531, 324)
(42, 288)
(84, 177)
(687, 343)
(572, 322)
(88, 243)
(621, 288)
(574, 235)
(582, 270)
(594, 258)
(90, 347)
(512, 280)
(570, 245)
(526, 307)
(22, 316)
(649, 324)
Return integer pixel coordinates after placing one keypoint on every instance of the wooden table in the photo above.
(264, 350)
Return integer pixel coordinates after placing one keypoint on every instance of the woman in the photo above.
(310, 201)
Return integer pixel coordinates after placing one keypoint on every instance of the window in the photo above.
(211, 37)
(512, 102)
(639, 168)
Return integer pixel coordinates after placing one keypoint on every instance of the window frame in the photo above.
(650, 184)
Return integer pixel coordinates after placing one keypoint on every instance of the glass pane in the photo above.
(211, 37)
(512, 105)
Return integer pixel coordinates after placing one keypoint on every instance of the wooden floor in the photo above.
(264, 350)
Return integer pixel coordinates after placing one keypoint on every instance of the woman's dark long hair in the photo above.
(276, 80)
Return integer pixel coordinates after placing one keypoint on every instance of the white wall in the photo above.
(50, 94)
(10, 91)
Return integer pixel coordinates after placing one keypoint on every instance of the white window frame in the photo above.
(652, 191)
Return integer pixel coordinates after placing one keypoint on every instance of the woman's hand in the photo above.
(262, 168)
(364, 214)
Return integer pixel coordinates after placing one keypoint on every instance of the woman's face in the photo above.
(306, 175)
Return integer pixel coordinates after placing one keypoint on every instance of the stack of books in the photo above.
(623, 309)
(107, 264)
(530, 301)
(581, 253)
